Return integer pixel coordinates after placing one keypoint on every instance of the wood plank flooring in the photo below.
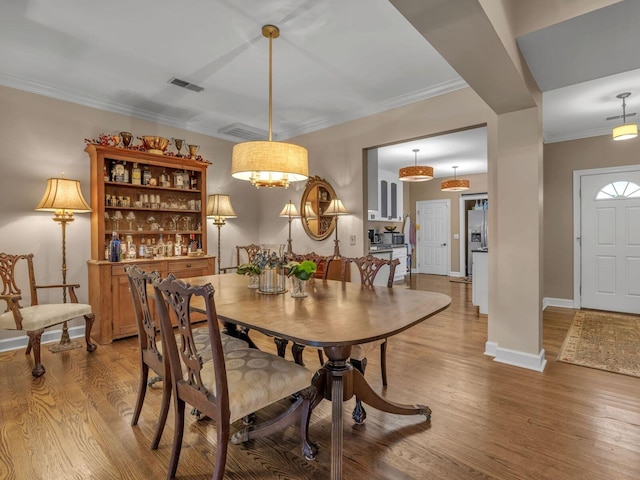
(490, 421)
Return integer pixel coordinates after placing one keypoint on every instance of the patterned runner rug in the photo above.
(603, 340)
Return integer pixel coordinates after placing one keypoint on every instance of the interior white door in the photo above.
(610, 241)
(432, 237)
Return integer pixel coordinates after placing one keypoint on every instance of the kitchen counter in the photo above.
(390, 252)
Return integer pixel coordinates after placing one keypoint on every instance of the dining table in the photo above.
(334, 316)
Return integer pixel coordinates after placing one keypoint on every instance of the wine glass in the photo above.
(174, 222)
(117, 216)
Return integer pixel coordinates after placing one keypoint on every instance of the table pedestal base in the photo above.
(338, 381)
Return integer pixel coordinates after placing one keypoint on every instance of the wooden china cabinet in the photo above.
(144, 197)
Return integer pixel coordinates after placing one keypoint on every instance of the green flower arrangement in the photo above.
(303, 270)
(248, 269)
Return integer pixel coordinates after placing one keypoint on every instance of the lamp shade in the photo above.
(335, 208)
(269, 163)
(289, 210)
(63, 194)
(625, 131)
(309, 212)
(415, 173)
(454, 185)
(219, 205)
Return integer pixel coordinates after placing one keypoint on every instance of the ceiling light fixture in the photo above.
(416, 173)
(454, 185)
(626, 130)
(269, 163)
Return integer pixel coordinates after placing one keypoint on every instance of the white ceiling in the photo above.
(335, 61)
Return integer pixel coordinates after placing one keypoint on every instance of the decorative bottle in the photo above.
(136, 175)
(114, 248)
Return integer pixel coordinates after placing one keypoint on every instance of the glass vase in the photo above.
(298, 288)
(272, 281)
(254, 281)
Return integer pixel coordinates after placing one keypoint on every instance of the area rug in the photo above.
(602, 340)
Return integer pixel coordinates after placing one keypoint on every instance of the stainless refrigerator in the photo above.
(476, 235)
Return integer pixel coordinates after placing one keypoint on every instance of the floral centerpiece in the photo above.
(268, 265)
(301, 272)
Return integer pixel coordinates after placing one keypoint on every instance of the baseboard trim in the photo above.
(490, 349)
(557, 302)
(521, 359)
(49, 336)
(455, 274)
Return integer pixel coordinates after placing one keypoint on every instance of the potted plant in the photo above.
(301, 272)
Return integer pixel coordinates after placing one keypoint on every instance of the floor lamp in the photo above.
(335, 209)
(289, 211)
(63, 197)
(219, 208)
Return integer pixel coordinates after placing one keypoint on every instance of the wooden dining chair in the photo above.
(244, 254)
(150, 347)
(34, 319)
(229, 386)
(368, 268)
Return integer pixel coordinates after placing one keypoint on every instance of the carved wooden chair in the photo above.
(244, 254)
(368, 267)
(150, 345)
(35, 318)
(229, 386)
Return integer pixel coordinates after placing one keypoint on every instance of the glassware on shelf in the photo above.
(131, 217)
(174, 222)
(117, 216)
(187, 223)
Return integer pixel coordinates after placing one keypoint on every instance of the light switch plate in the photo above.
(456, 236)
(352, 239)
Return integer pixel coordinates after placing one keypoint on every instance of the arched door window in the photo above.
(619, 190)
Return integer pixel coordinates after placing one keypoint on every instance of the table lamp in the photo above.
(63, 197)
(335, 209)
(289, 211)
(219, 208)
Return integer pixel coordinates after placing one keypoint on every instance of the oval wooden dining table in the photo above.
(334, 316)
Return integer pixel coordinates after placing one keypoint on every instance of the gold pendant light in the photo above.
(454, 185)
(269, 163)
(626, 130)
(415, 173)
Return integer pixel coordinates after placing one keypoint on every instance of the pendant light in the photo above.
(269, 163)
(626, 130)
(454, 185)
(416, 173)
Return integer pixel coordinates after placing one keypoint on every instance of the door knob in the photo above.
(443, 245)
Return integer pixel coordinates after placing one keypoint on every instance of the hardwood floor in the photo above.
(490, 420)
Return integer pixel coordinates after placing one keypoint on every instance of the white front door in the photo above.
(610, 241)
(432, 237)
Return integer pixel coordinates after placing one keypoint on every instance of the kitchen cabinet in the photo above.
(400, 253)
(390, 196)
(480, 282)
(147, 196)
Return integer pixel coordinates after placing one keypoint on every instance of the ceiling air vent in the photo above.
(245, 131)
(189, 86)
